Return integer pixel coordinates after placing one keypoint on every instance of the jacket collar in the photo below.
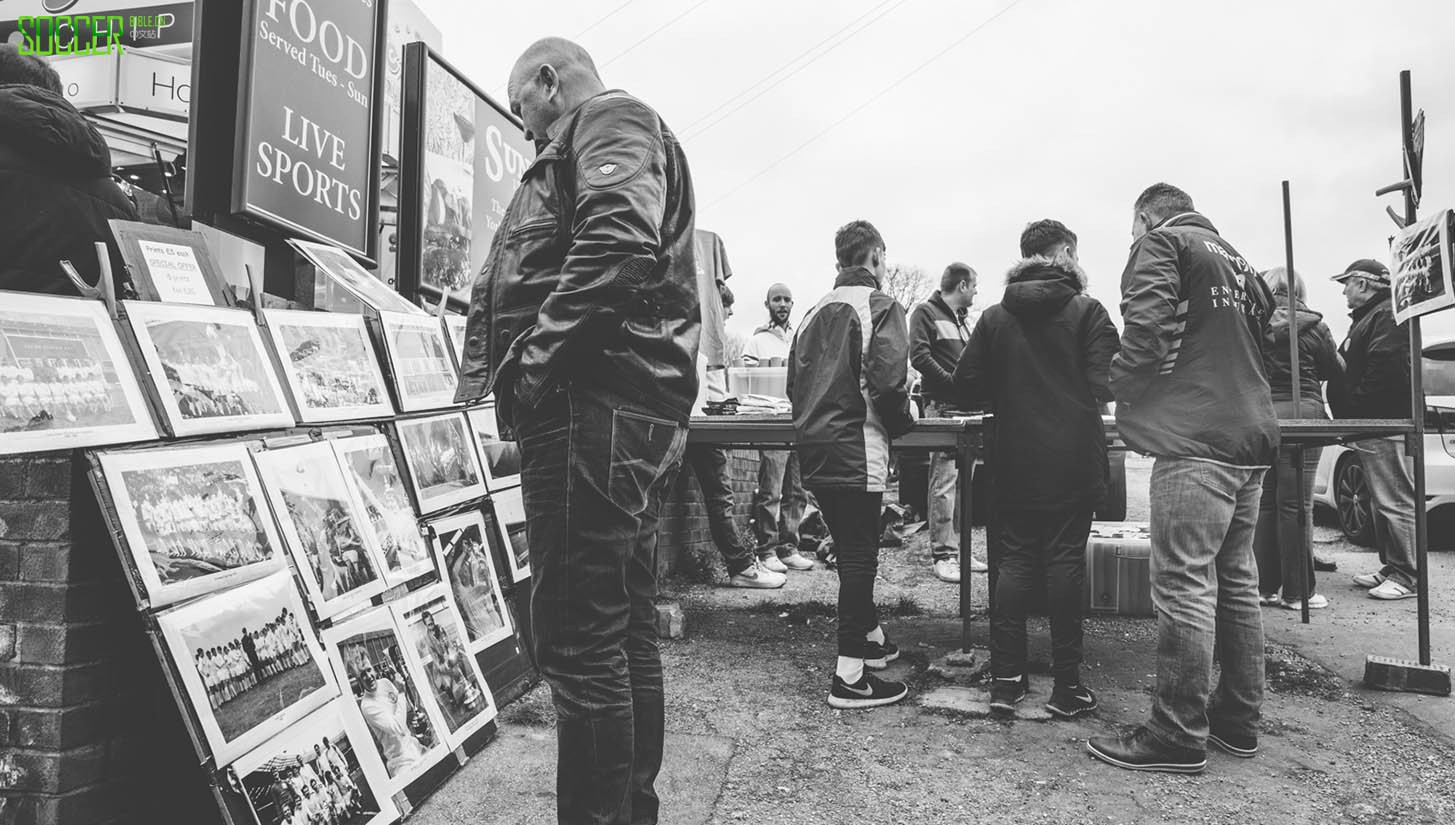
(1196, 219)
(787, 327)
(1357, 314)
(856, 276)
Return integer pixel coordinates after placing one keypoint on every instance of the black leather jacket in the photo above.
(592, 276)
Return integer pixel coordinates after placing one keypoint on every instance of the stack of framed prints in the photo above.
(329, 364)
(444, 468)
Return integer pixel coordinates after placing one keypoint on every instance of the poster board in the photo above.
(1420, 279)
(170, 265)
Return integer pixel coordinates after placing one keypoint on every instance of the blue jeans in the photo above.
(944, 496)
(710, 465)
(778, 503)
(595, 465)
(1205, 590)
(1392, 494)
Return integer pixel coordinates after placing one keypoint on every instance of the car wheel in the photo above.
(1351, 495)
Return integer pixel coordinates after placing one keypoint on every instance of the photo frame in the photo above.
(455, 335)
(194, 520)
(434, 647)
(444, 468)
(241, 697)
(317, 767)
(384, 705)
(329, 365)
(170, 265)
(509, 510)
(378, 489)
(328, 538)
(499, 459)
(462, 552)
(1421, 280)
(420, 363)
(65, 380)
(208, 368)
(337, 269)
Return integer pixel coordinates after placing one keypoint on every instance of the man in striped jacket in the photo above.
(849, 384)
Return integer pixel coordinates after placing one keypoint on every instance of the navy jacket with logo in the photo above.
(1376, 381)
(1189, 379)
(937, 336)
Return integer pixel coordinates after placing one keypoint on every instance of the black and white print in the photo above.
(338, 269)
(419, 361)
(462, 550)
(499, 459)
(378, 488)
(441, 459)
(510, 521)
(434, 645)
(332, 372)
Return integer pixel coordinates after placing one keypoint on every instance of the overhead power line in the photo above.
(862, 106)
(653, 33)
(602, 19)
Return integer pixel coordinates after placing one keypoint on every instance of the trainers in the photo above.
(772, 563)
(878, 656)
(796, 561)
(1005, 694)
(1325, 565)
(948, 569)
(1389, 590)
(1369, 580)
(1315, 602)
(1270, 599)
(1141, 751)
(758, 576)
(869, 692)
(978, 566)
(1241, 746)
(1069, 702)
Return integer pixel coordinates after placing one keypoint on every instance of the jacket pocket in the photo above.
(643, 450)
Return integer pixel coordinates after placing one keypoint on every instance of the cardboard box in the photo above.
(1118, 569)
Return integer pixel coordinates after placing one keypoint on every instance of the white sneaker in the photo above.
(772, 564)
(978, 566)
(948, 569)
(759, 577)
(1315, 602)
(1369, 579)
(1390, 590)
(796, 561)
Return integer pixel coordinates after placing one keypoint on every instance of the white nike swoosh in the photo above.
(868, 691)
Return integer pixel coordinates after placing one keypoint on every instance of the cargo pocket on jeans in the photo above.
(643, 448)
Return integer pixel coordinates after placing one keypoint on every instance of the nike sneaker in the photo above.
(869, 692)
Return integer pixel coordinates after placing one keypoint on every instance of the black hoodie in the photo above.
(1039, 360)
(56, 192)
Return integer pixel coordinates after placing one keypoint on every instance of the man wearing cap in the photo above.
(1377, 385)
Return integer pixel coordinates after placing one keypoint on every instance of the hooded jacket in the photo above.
(1376, 366)
(56, 192)
(1189, 379)
(1317, 359)
(848, 379)
(1039, 361)
(937, 336)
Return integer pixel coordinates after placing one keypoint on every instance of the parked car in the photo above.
(1339, 482)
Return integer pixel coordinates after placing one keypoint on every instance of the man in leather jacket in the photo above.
(584, 322)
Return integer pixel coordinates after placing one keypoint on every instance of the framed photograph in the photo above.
(499, 459)
(377, 487)
(337, 270)
(435, 649)
(455, 333)
(462, 551)
(170, 265)
(419, 361)
(387, 706)
(209, 368)
(194, 518)
(510, 521)
(249, 663)
(329, 363)
(329, 538)
(1421, 276)
(442, 463)
(316, 771)
(65, 381)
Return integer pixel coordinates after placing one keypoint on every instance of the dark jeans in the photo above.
(1054, 545)
(853, 520)
(594, 467)
(710, 465)
(1276, 540)
(779, 503)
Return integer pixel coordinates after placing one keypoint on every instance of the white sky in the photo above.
(1057, 108)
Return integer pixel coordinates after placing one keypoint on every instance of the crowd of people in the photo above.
(206, 377)
(328, 380)
(67, 389)
(319, 790)
(207, 523)
(235, 667)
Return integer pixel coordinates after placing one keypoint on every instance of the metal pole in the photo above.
(1304, 548)
(1415, 444)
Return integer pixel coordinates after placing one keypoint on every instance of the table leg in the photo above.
(1305, 542)
(965, 466)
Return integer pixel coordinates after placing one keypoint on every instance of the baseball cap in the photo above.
(1376, 272)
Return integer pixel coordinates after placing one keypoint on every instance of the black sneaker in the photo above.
(1005, 694)
(878, 656)
(869, 692)
(1243, 746)
(1141, 751)
(1069, 702)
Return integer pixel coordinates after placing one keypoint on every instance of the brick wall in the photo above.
(684, 544)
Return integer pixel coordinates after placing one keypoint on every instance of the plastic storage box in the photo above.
(1118, 569)
(769, 381)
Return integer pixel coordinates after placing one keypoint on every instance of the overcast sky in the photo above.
(1053, 108)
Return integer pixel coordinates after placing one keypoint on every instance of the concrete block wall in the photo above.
(684, 543)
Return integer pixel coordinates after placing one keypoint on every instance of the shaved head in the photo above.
(779, 289)
(550, 79)
(779, 304)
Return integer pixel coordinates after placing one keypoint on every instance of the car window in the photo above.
(1439, 370)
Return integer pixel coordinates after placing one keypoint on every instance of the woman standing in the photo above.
(1283, 564)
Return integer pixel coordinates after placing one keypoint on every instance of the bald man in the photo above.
(584, 323)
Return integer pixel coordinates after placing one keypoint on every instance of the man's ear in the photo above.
(550, 81)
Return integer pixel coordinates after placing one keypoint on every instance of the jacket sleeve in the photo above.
(1326, 355)
(1151, 287)
(922, 335)
(972, 378)
(1386, 363)
(1099, 343)
(621, 190)
(886, 369)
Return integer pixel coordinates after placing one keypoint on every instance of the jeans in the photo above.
(853, 520)
(779, 503)
(944, 496)
(1053, 543)
(1276, 542)
(594, 468)
(710, 465)
(1392, 492)
(1205, 591)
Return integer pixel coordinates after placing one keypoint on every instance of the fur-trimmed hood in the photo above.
(1040, 286)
